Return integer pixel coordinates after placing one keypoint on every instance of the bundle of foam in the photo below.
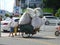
(38, 11)
(30, 17)
(31, 12)
(25, 19)
(36, 22)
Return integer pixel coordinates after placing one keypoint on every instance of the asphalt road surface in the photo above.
(41, 38)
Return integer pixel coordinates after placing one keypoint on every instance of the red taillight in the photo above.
(5, 23)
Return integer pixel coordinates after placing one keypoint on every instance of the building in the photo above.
(29, 3)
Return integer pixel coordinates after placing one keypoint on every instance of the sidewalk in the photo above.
(6, 34)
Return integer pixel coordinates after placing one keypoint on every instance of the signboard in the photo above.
(17, 10)
(2, 12)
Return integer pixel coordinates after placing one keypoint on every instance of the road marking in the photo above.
(51, 37)
(45, 42)
(40, 41)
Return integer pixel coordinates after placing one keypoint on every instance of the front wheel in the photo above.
(57, 33)
(26, 35)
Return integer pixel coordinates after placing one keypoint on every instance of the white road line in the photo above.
(51, 37)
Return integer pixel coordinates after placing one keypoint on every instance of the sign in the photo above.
(17, 10)
(2, 12)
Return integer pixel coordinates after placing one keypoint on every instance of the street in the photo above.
(41, 38)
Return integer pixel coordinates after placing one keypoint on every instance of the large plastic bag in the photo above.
(25, 19)
(31, 12)
(38, 11)
(36, 22)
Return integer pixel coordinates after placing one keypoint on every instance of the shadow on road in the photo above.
(39, 38)
(2, 44)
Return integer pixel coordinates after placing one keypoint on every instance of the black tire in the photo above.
(57, 33)
(5, 31)
(47, 23)
(23, 35)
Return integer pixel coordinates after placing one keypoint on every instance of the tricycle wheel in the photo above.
(57, 33)
(26, 35)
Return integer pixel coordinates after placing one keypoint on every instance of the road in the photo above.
(41, 38)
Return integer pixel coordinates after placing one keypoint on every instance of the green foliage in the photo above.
(7, 15)
(23, 10)
(58, 13)
(55, 4)
(49, 10)
(44, 0)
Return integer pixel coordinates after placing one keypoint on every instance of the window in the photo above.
(47, 14)
(23, 1)
(51, 17)
(18, 0)
(38, 0)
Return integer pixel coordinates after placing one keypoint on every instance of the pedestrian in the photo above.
(16, 26)
(11, 26)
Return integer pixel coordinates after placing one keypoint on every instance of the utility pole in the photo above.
(0, 25)
(28, 3)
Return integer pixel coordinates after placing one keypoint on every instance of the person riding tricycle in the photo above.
(57, 33)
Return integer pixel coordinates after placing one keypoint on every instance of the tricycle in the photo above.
(27, 30)
(57, 33)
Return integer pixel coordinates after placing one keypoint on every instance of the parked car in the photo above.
(51, 22)
(5, 24)
(51, 27)
(50, 19)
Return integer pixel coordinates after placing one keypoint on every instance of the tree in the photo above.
(49, 10)
(7, 15)
(55, 4)
(58, 13)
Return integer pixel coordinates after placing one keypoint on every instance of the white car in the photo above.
(51, 22)
(50, 19)
(51, 28)
(5, 24)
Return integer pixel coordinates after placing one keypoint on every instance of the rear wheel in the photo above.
(47, 23)
(57, 33)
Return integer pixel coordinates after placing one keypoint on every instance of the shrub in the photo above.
(49, 10)
(58, 13)
(7, 15)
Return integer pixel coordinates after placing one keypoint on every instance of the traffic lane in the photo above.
(48, 37)
(20, 41)
(35, 40)
(41, 38)
(24, 41)
(47, 40)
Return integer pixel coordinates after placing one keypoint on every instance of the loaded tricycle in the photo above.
(30, 22)
(57, 33)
